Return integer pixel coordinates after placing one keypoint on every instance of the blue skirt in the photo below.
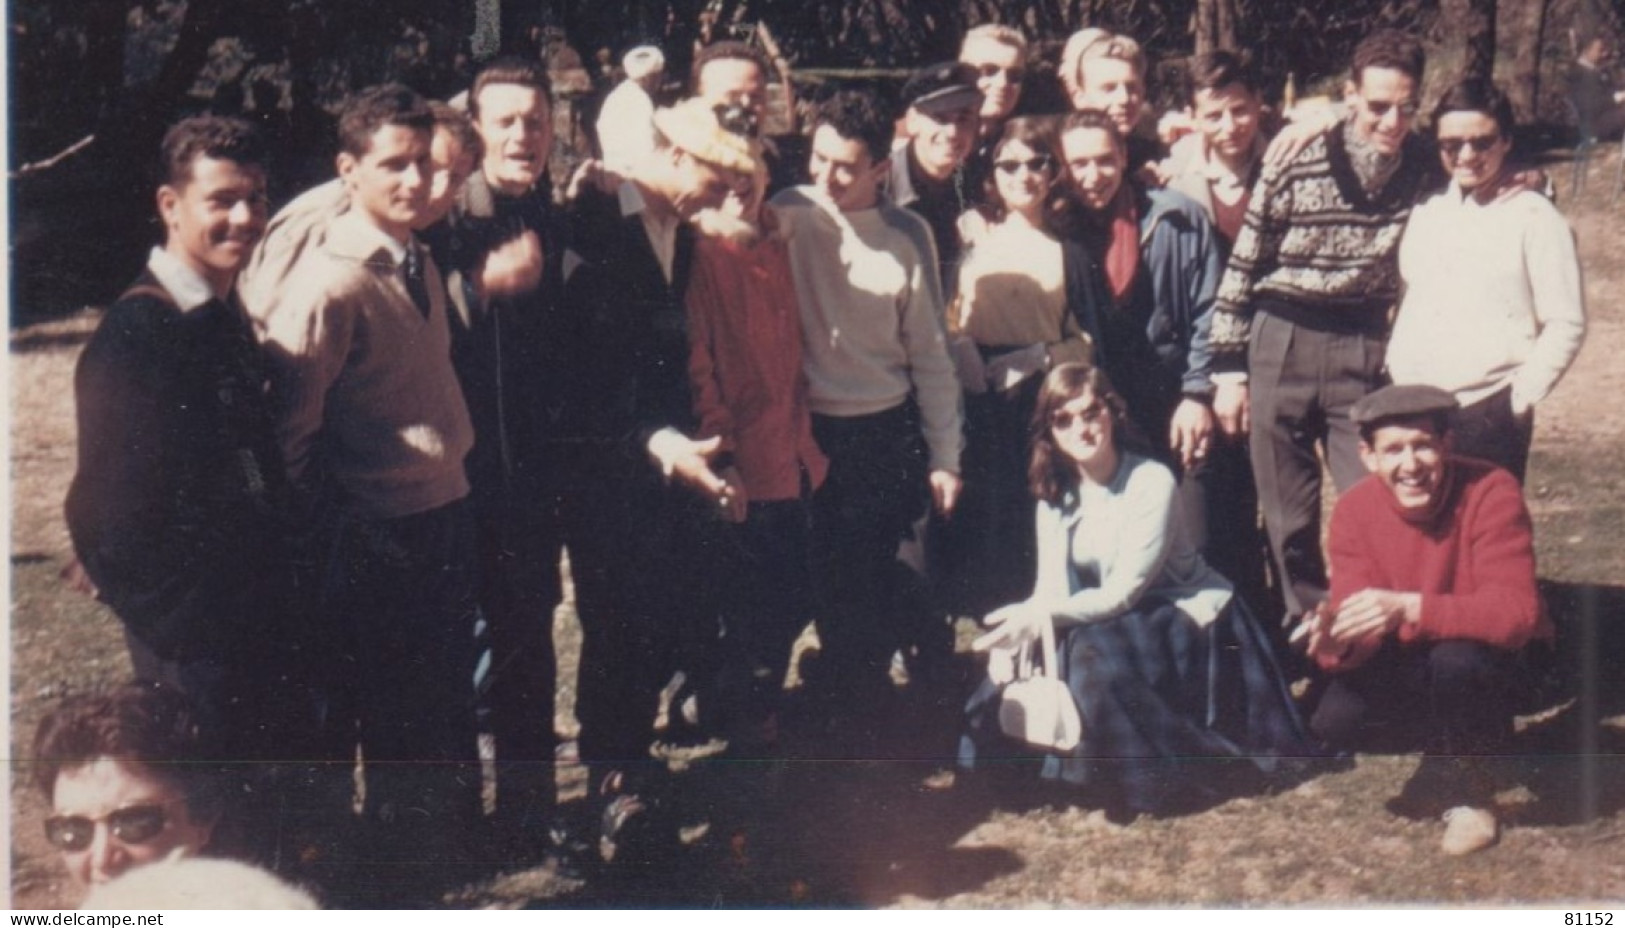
(1159, 696)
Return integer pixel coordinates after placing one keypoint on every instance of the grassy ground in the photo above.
(811, 829)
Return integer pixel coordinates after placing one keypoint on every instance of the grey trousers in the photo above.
(1302, 383)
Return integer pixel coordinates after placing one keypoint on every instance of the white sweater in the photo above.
(1492, 297)
(871, 315)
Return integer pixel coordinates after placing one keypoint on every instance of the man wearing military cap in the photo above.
(1432, 599)
(928, 169)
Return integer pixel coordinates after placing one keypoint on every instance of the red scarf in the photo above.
(1122, 244)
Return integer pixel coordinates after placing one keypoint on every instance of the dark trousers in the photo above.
(519, 588)
(403, 588)
(1454, 699)
(1303, 381)
(646, 560)
(877, 487)
(1488, 430)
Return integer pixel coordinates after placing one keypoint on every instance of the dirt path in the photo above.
(811, 830)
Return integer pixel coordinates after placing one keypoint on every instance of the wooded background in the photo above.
(94, 82)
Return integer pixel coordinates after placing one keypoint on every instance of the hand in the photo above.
(1373, 613)
(689, 462)
(1008, 370)
(1294, 136)
(591, 172)
(1150, 174)
(512, 268)
(945, 487)
(1191, 431)
(733, 502)
(1232, 406)
(1013, 625)
(1532, 180)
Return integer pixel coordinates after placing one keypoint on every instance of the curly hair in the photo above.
(1389, 48)
(859, 115)
(225, 138)
(1051, 475)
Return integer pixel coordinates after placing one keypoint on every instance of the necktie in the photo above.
(415, 286)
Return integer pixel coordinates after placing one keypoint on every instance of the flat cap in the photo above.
(1401, 401)
(942, 89)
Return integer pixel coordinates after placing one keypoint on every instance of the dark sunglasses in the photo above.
(1380, 108)
(739, 120)
(1478, 143)
(1013, 75)
(1036, 165)
(131, 825)
(1064, 419)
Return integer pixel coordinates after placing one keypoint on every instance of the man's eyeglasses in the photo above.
(990, 71)
(1380, 108)
(1064, 419)
(136, 824)
(1010, 166)
(1480, 143)
(740, 120)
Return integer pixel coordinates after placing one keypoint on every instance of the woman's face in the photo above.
(1472, 147)
(1094, 164)
(109, 816)
(1083, 429)
(1022, 176)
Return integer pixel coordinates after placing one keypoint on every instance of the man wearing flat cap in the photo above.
(928, 170)
(1432, 600)
(640, 524)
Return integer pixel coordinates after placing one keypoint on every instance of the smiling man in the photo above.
(1433, 597)
(928, 172)
(1301, 319)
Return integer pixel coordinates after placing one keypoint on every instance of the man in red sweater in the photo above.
(1432, 599)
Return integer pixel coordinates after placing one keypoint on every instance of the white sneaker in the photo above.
(1468, 829)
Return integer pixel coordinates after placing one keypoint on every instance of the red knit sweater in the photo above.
(1474, 566)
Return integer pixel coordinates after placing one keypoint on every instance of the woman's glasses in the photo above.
(132, 825)
(1064, 419)
(1480, 143)
(1036, 165)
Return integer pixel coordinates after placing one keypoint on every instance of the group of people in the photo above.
(1037, 367)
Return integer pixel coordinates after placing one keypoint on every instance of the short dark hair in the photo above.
(1389, 48)
(510, 69)
(1038, 134)
(1217, 70)
(858, 114)
(727, 50)
(225, 138)
(456, 122)
(1050, 475)
(1477, 95)
(376, 107)
(138, 723)
(1095, 119)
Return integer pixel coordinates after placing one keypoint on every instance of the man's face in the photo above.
(700, 185)
(1472, 147)
(390, 183)
(1409, 458)
(1384, 102)
(213, 220)
(110, 816)
(451, 164)
(1000, 72)
(1112, 86)
(1094, 164)
(734, 82)
(843, 170)
(943, 142)
(516, 124)
(1227, 117)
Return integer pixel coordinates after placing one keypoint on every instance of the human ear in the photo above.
(168, 199)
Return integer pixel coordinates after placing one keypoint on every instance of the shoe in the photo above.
(1468, 829)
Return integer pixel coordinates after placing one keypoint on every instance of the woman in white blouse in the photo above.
(1168, 668)
(1493, 309)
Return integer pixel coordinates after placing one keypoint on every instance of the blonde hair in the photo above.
(995, 32)
(1096, 43)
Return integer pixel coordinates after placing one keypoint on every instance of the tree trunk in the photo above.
(1474, 22)
(1526, 21)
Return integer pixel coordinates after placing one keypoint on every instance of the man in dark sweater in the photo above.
(1598, 101)
(1302, 314)
(642, 512)
(177, 509)
(928, 173)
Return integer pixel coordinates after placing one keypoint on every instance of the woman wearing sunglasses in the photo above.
(1490, 278)
(1166, 665)
(1021, 293)
(124, 777)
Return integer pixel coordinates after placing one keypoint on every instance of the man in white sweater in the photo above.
(881, 386)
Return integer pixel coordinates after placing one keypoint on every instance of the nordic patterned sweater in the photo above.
(1314, 238)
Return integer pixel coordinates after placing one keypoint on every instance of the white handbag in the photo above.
(1036, 707)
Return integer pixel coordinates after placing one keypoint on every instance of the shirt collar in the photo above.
(1212, 169)
(353, 236)
(186, 285)
(631, 199)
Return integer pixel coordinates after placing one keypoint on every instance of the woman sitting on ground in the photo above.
(1163, 661)
(125, 777)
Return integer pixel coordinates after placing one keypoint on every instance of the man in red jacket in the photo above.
(1432, 599)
